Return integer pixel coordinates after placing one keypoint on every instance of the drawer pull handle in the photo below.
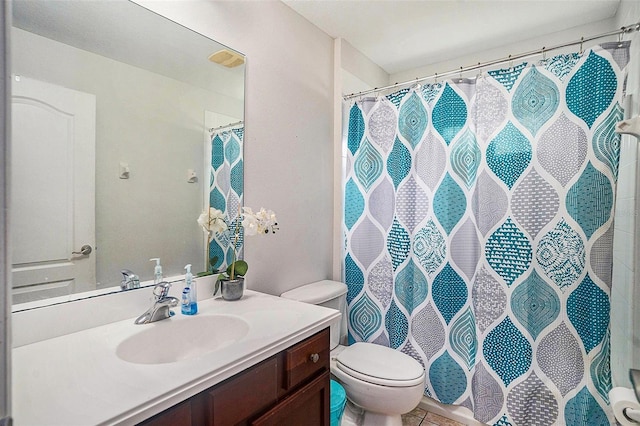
(314, 358)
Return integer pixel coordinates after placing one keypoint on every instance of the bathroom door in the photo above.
(52, 190)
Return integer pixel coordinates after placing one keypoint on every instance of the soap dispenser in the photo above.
(189, 295)
(157, 271)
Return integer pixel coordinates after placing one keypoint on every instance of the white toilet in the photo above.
(383, 382)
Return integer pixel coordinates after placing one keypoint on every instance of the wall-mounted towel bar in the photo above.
(629, 127)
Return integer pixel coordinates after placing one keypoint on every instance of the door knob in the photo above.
(85, 250)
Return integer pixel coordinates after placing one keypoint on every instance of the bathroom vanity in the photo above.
(289, 388)
(262, 360)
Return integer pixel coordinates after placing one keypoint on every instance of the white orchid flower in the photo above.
(250, 224)
(261, 222)
(212, 221)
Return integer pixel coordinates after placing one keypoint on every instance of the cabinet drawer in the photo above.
(305, 359)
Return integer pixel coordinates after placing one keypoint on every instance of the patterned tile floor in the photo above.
(419, 417)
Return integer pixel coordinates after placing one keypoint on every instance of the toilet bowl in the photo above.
(383, 382)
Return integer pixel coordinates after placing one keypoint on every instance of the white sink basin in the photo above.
(174, 340)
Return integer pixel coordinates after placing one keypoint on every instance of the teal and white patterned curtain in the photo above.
(479, 224)
(226, 187)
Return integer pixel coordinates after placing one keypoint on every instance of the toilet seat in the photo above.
(380, 365)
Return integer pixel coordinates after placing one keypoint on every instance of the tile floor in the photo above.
(419, 417)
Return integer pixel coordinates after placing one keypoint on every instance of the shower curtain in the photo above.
(478, 226)
(226, 186)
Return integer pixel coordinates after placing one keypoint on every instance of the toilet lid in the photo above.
(380, 365)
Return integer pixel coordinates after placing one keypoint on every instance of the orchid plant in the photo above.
(214, 221)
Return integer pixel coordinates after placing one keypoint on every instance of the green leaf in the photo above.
(240, 269)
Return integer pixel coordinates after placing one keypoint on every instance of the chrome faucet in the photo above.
(161, 305)
(129, 280)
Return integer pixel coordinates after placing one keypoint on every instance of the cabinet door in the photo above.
(244, 396)
(179, 415)
(309, 406)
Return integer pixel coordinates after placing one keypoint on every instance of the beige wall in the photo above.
(359, 72)
(533, 43)
(5, 260)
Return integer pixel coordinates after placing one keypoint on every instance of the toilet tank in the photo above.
(331, 294)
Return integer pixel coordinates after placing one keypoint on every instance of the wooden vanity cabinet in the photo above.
(290, 388)
(178, 415)
(309, 406)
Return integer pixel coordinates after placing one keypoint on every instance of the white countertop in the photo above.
(77, 379)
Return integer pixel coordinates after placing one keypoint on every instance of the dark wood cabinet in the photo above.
(289, 388)
(305, 359)
(310, 406)
(178, 415)
(237, 400)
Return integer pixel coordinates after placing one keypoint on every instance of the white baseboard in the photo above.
(454, 412)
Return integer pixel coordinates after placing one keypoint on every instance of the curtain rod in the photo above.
(237, 123)
(624, 30)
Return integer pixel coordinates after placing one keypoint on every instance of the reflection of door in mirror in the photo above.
(52, 125)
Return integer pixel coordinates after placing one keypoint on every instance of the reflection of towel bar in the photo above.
(629, 127)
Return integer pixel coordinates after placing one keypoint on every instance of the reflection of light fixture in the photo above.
(227, 58)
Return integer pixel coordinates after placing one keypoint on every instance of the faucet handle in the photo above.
(161, 290)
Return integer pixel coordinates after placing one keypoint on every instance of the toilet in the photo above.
(381, 382)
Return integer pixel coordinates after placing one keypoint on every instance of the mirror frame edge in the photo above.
(5, 270)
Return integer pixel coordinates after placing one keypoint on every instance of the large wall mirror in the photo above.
(113, 112)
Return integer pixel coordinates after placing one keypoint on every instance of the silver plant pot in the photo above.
(232, 289)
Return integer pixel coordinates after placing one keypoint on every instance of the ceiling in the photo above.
(401, 35)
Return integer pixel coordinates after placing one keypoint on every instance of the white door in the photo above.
(52, 190)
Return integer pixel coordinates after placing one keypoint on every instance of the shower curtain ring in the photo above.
(581, 45)
(480, 75)
(510, 64)
(620, 39)
(544, 53)
(460, 76)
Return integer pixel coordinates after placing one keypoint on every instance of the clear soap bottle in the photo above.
(157, 271)
(189, 294)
